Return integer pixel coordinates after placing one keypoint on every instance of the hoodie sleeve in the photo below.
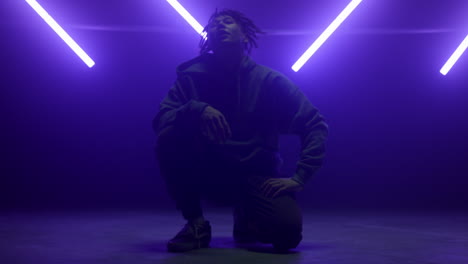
(178, 108)
(298, 116)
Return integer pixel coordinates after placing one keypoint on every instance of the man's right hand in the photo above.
(214, 126)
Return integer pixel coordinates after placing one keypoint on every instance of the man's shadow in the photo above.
(224, 250)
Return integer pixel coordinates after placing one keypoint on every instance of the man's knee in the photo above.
(287, 237)
(174, 144)
(281, 238)
(288, 230)
(166, 141)
(284, 232)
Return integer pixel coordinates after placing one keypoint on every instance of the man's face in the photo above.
(225, 30)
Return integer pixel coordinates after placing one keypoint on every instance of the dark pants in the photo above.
(192, 172)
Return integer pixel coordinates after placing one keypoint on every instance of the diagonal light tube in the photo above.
(59, 30)
(189, 18)
(455, 56)
(325, 35)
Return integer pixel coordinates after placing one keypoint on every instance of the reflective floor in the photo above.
(330, 237)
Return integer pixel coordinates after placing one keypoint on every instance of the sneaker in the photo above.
(192, 236)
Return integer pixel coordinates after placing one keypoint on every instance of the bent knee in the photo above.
(287, 239)
(284, 235)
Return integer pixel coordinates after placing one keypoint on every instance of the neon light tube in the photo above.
(325, 35)
(186, 15)
(455, 56)
(59, 30)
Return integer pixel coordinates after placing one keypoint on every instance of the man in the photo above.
(218, 131)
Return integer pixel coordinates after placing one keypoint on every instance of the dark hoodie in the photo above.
(259, 104)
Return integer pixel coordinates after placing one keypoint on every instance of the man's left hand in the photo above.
(276, 186)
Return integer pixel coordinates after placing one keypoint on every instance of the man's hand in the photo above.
(276, 186)
(214, 125)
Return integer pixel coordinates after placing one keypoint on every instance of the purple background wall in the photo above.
(77, 137)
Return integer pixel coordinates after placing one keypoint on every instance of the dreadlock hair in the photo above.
(249, 29)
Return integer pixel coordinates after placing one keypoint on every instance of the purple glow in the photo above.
(186, 15)
(325, 35)
(59, 30)
(455, 56)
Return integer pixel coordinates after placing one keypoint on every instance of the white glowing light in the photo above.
(325, 35)
(59, 30)
(189, 18)
(455, 56)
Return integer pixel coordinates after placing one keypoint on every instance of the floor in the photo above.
(330, 237)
